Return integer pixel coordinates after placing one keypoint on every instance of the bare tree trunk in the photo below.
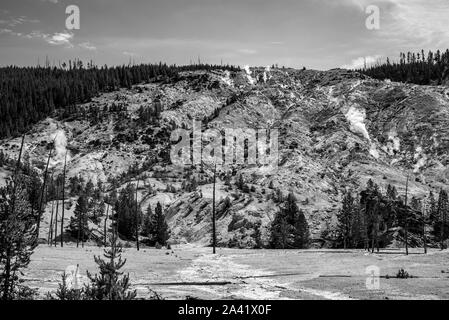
(63, 200)
(406, 217)
(83, 235)
(365, 222)
(376, 240)
(423, 215)
(41, 201)
(439, 218)
(56, 217)
(105, 229)
(137, 218)
(79, 230)
(376, 226)
(443, 225)
(50, 229)
(214, 239)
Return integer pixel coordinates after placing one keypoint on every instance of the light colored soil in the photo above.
(256, 274)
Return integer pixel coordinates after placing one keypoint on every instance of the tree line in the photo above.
(372, 219)
(30, 94)
(419, 68)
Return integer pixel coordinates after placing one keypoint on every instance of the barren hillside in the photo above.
(337, 129)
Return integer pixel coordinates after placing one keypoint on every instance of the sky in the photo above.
(317, 34)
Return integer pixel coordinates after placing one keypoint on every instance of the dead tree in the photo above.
(375, 227)
(105, 229)
(443, 226)
(63, 200)
(406, 217)
(214, 237)
(78, 235)
(50, 229)
(137, 218)
(41, 202)
(366, 221)
(56, 216)
(423, 216)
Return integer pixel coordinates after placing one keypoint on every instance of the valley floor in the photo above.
(191, 271)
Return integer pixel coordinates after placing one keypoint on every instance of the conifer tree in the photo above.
(65, 293)
(78, 226)
(345, 219)
(17, 237)
(147, 225)
(432, 209)
(289, 228)
(110, 283)
(125, 213)
(441, 227)
(159, 232)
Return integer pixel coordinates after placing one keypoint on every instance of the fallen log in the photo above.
(206, 283)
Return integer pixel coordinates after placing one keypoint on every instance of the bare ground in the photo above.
(191, 271)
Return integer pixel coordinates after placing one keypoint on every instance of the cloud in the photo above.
(87, 45)
(419, 20)
(359, 63)
(11, 32)
(276, 43)
(247, 51)
(60, 38)
(417, 23)
(4, 30)
(57, 39)
(14, 21)
(130, 54)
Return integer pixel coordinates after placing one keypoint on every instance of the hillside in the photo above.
(337, 129)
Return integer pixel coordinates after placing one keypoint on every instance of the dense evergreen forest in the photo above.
(29, 94)
(374, 219)
(419, 68)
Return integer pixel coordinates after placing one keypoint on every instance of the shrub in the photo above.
(402, 274)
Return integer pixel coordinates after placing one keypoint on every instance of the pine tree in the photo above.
(289, 228)
(392, 194)
(78, 226)
(64, 292)
(281, 232)
(441, 227)
(432, 210)
(17, 237)
(358, 226)
(2, 158)
(345, 219)
(89, 189)
(110, 283)
(147, 225)
(125, 213)
(158, 227)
